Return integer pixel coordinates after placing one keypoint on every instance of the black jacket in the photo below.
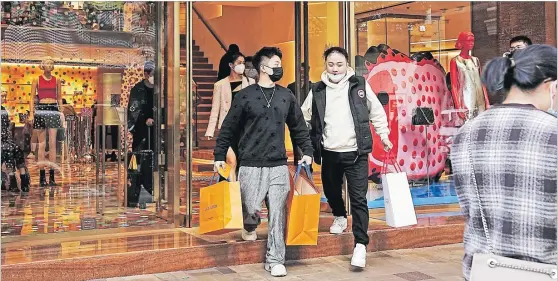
(140, 107)
(262, 128)
(303, 95)
(359, 110)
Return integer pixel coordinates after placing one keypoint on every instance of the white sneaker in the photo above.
(339, 225)
(278, 270)
(359, 256)
(249, 235)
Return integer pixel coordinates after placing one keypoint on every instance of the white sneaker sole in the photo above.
(336, 231)
(359, 264)
(252, 237)
(268, 269)
(249, 238)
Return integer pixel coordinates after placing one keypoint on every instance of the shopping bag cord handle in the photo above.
(306, 168)
(393, 163)
(214, 177)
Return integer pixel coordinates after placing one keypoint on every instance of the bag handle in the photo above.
(306, 168)
(393, 163)
(475, 185)
(308, 173)
(214, 179)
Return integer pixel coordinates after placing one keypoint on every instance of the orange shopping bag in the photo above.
(220, 208)
(303, 209)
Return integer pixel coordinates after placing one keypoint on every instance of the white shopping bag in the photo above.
(399, 207)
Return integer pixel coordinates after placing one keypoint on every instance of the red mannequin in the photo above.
(467, 86)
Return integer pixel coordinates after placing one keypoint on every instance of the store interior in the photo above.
(98, 71)
(98, 50)
(409, 28)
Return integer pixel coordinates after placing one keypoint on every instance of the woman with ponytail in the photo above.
(512, 150)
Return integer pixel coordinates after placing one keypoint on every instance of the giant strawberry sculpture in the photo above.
(410, 83)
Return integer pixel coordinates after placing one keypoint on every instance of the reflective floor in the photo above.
(77, 203)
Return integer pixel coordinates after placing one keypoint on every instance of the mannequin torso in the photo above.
(468, 93)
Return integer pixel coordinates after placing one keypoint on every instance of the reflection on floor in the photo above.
(86, 244)
(75, 204)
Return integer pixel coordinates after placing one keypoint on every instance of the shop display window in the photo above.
(97, 51)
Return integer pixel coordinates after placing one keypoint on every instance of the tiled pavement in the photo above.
(436, 263)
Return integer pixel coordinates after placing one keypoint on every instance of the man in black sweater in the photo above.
(259, 113)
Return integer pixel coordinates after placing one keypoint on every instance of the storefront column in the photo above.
(172, 83)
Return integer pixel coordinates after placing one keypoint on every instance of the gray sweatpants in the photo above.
(257, 183)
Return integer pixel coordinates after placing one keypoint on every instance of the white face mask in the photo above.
(151, 80)
(552, 93)
(336, 78)
(239, 69)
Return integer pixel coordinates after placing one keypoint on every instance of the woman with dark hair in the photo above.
(505, 162)
(224, 69)
(223, 94)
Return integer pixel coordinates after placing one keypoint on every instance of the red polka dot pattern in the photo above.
(416, 148)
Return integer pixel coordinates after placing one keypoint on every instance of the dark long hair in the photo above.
(526, 69)
(235, 56)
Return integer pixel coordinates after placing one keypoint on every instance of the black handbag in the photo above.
(423, 116)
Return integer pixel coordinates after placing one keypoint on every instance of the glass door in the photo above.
(214, 27)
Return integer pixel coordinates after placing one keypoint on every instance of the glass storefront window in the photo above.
(78, 68)
(405, 50)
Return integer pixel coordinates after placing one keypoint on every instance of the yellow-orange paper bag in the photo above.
(303, 210)
(220, 208)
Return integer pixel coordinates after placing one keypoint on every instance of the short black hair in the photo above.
(523, 39)
(527, 69)
(248, 59)
(265, 52)
(336, 50)
(235, 56)
(233, 48)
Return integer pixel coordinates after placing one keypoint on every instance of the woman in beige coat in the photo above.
(223, 94)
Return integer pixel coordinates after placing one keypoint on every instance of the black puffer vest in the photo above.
(359, 110)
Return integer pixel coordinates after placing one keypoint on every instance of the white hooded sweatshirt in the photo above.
(339, 133)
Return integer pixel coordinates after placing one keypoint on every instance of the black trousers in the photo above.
(335, 165)
(139, 142)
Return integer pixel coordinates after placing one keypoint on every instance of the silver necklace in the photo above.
(270, 99)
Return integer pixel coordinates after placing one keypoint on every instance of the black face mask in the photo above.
(277, 73)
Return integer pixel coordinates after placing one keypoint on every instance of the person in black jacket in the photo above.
(140, 108)
(140, 123)
(259, 114)
(340, 109)
(224, 68)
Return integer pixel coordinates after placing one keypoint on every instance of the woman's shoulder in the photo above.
(222, 82)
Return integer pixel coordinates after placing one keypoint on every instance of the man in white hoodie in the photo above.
(339, 109)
